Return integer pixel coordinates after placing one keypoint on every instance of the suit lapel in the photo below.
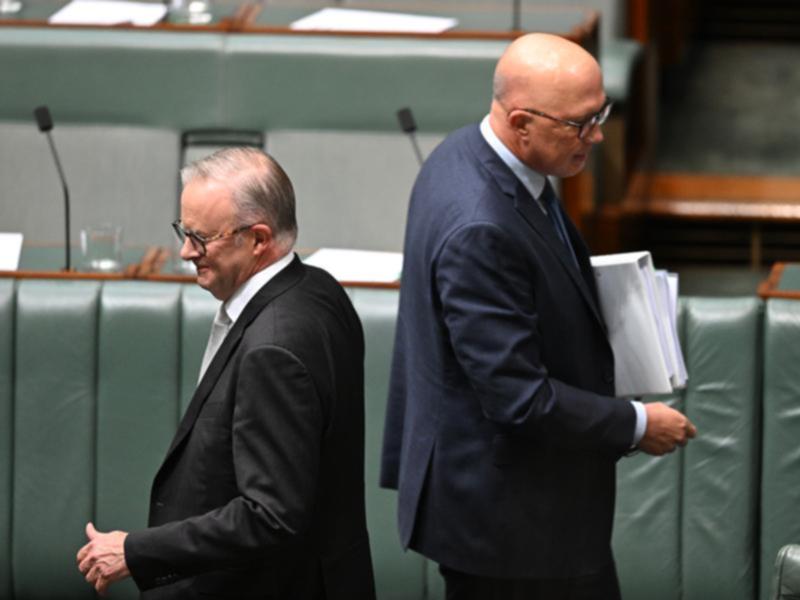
(526, 206)
(283, 281)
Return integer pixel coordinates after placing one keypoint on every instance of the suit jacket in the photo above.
(501, 431)
(261, 493)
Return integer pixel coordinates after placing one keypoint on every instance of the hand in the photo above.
(666, 429)
(102, 560)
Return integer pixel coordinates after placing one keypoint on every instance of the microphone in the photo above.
(45, 123)
(409, 126)
(516, 15)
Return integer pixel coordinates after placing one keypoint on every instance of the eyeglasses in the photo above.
(200, 242)
(600, 117)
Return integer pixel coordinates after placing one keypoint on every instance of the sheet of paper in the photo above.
(346, 19)
(640, 367)
(672, 282)
(109, 12)
(358, 265)
(10, 250)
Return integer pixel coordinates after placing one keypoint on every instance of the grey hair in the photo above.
(261, 190)
(500, 85)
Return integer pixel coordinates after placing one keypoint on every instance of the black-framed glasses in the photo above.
(600, 117)
(199, 242)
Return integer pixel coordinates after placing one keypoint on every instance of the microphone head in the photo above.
(406, 119)
(43, 118)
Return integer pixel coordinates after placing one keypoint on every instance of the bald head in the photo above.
(542, 73)
(538, 66)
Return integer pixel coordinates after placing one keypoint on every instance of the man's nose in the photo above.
(595, 135)
(188, 251)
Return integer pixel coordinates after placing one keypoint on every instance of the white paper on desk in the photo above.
(347, 19)
(109, 12)
(10, 249)
(358, 265)
(638, 323)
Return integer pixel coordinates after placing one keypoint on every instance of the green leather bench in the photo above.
(94, 377)
(786, 578)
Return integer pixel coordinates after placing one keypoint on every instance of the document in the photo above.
(109, 12)
(358, 265)
(639, 306)
(348, 19)
(10, 250)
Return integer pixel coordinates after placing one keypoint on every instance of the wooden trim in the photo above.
(708, 197)
(163, 278)
(639, 20)
(728, 187)
(769, 287)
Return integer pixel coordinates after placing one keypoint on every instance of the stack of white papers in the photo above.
(348, 19)
(639, 305)
(10, 249)
(109, 12)
(358, 265)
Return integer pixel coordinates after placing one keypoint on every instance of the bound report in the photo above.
(639, 305)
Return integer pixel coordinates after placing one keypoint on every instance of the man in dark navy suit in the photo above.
(502, 430)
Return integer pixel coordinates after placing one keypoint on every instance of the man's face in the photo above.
(554, 148)
(207, 209)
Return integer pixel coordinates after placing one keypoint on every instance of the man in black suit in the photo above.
(261, 493)
(502, 432)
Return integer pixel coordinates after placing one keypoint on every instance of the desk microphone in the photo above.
(45, 122)
(409, 126)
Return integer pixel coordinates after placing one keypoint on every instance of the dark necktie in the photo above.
(550, 201)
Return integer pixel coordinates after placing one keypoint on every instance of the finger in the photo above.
(82, 553)
(85, 565)
(91, 575)
(691, 430)
(91, 532)
(101, 586)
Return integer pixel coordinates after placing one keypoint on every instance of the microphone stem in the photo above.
(415, 145)
(516, 25)
(68, 261)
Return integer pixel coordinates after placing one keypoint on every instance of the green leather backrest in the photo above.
(6, 430)
(54, 435)
(721, 470)
(160, 79)
(137, 398)
(648, 516)
(780, 487)
(355, 83)
(685, 526)
(399, 575)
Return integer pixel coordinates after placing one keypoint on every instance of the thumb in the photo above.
(91, 532)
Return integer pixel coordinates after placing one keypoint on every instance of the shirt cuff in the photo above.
(641, 422)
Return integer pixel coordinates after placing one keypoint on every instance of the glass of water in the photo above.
(101, 248)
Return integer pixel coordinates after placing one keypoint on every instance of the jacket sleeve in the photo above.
(488, 302)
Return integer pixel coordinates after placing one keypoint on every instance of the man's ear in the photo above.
(518, 120)
(262, 238)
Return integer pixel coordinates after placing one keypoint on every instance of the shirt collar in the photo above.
(234, 306)
(532, 180)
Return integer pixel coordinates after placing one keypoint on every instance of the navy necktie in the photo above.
(550, 201)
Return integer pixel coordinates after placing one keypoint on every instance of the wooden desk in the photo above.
(474, 22)
(152, 264)
(227, 15)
